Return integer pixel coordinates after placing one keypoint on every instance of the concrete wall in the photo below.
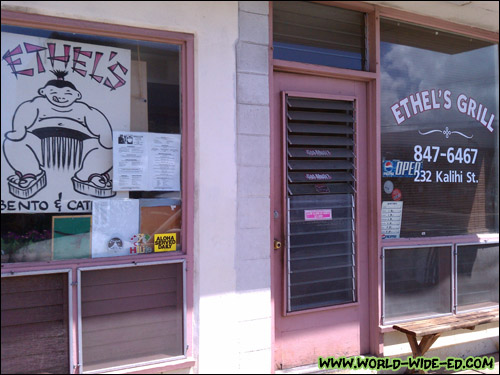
(216, 323)
(232, 324)
(232, 314)
(253, 262)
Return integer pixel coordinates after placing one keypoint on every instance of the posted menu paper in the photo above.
(146, 161)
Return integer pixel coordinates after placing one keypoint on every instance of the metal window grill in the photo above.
(321, 185)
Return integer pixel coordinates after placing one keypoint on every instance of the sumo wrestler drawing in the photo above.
(58, 130)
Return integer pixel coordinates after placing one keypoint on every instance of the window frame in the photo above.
(369, 46)
(437, 25)
(69, 271)
(456, 310)
(452, 282)
(187, 96)
(372, 77)
(186, 43)
(451, 27)
(81, 365)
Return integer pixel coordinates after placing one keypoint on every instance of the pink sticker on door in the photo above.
(316, 215)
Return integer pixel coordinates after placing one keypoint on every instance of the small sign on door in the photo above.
(317, 215)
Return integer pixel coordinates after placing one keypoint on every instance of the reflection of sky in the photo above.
(102, 40)
(407, 70)
(317, 55)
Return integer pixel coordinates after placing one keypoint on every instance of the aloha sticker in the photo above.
(165, 242)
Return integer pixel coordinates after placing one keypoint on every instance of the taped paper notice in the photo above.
(114, 223)
(146, 161)
(317, 215)
(165, 242)
(392, 213)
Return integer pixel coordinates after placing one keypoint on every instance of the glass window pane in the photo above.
(35, 333)
(318, 34)
(439, 124)
(131, 315)
(417, 282)
(321, 241)
(57, 167)
(477, 276)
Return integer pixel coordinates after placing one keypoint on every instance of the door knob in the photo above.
(277, 245)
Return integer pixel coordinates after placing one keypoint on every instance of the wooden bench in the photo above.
(431, 329)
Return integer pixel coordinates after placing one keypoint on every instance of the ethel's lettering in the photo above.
(428, 100)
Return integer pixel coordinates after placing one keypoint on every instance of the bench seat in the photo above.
(431, 329)
(447, 323)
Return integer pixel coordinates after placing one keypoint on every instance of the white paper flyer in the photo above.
(115, 222)
(392, 213)
(146, 161)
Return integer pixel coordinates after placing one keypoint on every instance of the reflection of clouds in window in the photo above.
(407, 70)
(436, 86)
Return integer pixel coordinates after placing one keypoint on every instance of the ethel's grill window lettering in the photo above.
(439, 109)
(91, 145)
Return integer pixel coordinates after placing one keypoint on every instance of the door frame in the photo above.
(372, 81)
(372, 77)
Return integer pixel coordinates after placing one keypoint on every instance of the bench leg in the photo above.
(418, 350)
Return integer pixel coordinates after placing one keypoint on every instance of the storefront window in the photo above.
(137, 320)
(439, 124)
(477, 276)
(417, 282)
(92, 137)
(35, 324)
(439, 143)
(91, 146)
